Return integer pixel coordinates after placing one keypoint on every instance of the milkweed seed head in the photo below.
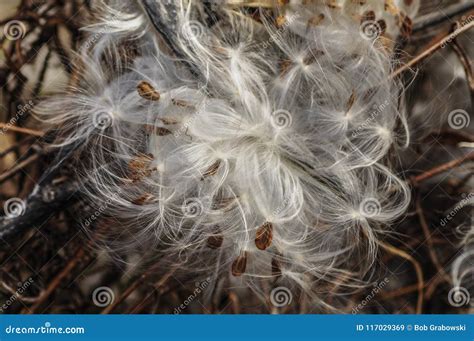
(258, 153)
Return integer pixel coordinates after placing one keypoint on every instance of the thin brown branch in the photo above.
(441, 168)
(18, 167)
(15, 129)
(432, 49)
(418, 270)
(429, 241)
(125, 294)
(57, 280)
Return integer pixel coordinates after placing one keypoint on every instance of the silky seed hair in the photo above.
(258, 157)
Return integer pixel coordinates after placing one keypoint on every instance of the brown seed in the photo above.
(367, 16)
(284, 66)
(383, 25)
(264, 236)
(143, 199)
(280, 21)
(139, 166)
(315, 21)
(276, 268)
(212, 170)
(239, 264)
(168, 120)
(180, 103)
(147, 91)
(215, 241)
(350, 102)
(406, 27)
(160, 131)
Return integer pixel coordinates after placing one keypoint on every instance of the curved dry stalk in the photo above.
(417, 267)
(432, 49)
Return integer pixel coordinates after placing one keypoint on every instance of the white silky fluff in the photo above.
(272, 108)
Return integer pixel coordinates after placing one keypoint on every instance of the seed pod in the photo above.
(212, 170)
(239, 264)
(264, 236)
(147, 91)
(215, 241)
